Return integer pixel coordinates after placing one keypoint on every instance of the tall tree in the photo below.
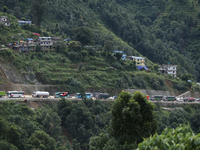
(38, 9)
(132, 118)
(108, 46)
(84, 35)
(5, 9)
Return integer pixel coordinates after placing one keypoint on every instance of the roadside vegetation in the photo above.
(91, 124)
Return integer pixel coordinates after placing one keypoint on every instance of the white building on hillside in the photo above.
(4, 20)
(45, 42)
(169, 69)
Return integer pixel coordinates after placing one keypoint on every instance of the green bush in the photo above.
(74, 56)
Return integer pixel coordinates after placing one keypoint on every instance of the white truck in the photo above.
(42, 94)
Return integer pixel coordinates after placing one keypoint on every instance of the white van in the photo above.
(38, 94)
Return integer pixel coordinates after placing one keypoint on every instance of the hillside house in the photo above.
(121, 52)
(24, 47)
(89, 47)
(29, 41)
(169, 69)
(20, 22)
(4, 20)
(139, 61)
(45, 42)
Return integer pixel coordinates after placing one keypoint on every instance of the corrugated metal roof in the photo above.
(137, 57)
(140, 67)
(29, 39)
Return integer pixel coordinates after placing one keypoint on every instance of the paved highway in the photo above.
(52, 99)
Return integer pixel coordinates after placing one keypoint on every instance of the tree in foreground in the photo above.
(132, 118)
(180, 138)
(41, 140)
(132, 121)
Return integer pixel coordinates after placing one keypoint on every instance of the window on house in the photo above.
(138, 60)
(41, 42)
(173, 68)
(47, 42)
(42, 38)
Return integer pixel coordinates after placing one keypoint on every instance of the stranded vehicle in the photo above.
(61, 94)
(38, 94)
(15, 94)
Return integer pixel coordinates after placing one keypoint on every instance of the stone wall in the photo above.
(155, 92)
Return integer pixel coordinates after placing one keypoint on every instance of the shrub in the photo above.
(74, 56)
(60, 47)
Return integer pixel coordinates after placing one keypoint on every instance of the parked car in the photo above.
(198, 100)
(112, 97)
(180, 99)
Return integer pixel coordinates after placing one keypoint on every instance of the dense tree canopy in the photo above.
(132, 118)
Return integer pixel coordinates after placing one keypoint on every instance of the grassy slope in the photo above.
(95, 71)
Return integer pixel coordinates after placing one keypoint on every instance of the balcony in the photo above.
(46, 43)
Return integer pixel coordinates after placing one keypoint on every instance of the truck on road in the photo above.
(42, 94)
(2, 94)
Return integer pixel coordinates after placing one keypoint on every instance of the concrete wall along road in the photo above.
(155, 92)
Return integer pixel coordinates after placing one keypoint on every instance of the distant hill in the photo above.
(164, 31)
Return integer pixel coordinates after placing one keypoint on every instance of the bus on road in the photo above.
(61, 94)
(157, 97)
(15, 94)
(170, 98)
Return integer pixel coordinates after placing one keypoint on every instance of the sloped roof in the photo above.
(29, 39)
(55, 38)
(140, 67)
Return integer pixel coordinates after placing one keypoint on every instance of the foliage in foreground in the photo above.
(132, 120)
(22, 128)
(172, 139)
(83, 119)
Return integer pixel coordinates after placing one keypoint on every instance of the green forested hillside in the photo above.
(164, 31)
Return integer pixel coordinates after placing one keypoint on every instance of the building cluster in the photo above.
(30, 44)
(47, 43)
(140, 64)
(5, 21)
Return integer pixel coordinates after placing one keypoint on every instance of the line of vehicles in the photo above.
(173, 98)
(45, 94)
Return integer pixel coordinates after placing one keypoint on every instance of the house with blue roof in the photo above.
(20, 22)
(29, 41)
(139, 61)
(123, 54)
